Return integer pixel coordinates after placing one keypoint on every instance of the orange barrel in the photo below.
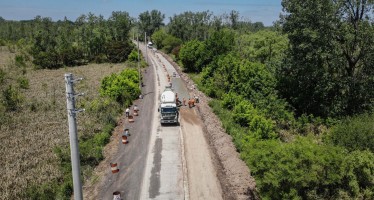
(116, 195)
(131, 119)
(114, 168)
(124, 139)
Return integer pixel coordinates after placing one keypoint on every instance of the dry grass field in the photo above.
(29, 135)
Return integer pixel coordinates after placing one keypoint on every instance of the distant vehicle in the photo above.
(168, 107)
(150, 45)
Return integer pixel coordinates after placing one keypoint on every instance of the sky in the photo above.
(265, 11)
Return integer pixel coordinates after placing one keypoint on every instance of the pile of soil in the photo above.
(234, 175)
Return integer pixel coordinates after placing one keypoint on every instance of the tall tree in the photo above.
(329, 68)
(189, 25)
(149, 22)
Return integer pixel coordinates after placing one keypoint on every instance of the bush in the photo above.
(12, 99)
(41, 192)
(2, 76)
(354, 133)
(123, 88)
(133, 56)
(2, 42)
(259, 127)
(23, 83)
(230, 100)
(102, 139)
(48, 60)
(170, 42)
(20, 61)
(304, 169)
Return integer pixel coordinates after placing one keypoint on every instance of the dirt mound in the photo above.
(234, 175)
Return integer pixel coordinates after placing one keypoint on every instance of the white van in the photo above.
(150, 45)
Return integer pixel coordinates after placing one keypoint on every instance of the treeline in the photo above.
(89, 38)
(198, 26)
(296, 97)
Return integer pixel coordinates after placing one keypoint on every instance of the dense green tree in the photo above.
(158, 37)
(120, 24)
(149, 22)
(220, 42)
(170, 42)
(329, 66)
(118, 51)
(190, 25)
(264, 46)
(192, 56)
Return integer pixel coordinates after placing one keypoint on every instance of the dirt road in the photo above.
(202, 176)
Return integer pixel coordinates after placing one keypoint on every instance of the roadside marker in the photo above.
(114, 168)
(124, 139)
(131, 119)
(116, 195)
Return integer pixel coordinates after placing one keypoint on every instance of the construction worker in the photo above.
(178, 102)
(127, 112)
(189, 103)
(126, 132)
(196, 99)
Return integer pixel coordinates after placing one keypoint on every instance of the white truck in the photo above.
(169, 111)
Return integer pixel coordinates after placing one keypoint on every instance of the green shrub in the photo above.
(90, 153)
(170, 42)
(45, 191)
(23, 82)
(2, 42)
(360, 174)
(20, 61)
(2, 76)
(133, 56)
(354, 133)
(123, 88)
(245, 114)
(12, 98)
(101, 139)
(304, 169)
(66, 189)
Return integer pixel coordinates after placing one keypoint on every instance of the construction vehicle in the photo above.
(169, 111)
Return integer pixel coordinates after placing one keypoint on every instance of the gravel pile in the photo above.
(233, 173)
